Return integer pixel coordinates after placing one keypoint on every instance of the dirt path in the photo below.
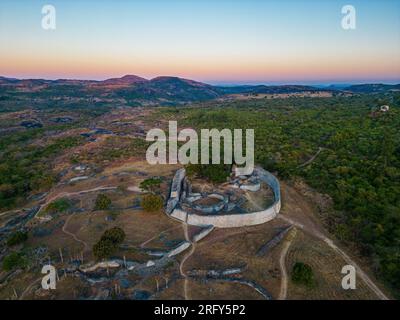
(157, 235)
(28, 288)
(311, 159)
(7, 212)
(348, 260)
(64, 229)
(282, 260)
(70, 194)
(186, 256)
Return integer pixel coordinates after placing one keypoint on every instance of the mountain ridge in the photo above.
(167, 90)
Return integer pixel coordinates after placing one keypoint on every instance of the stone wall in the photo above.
(231, 220)
(179, 249)
(203, 233)
(176, 188)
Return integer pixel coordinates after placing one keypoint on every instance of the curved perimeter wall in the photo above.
(236, 220)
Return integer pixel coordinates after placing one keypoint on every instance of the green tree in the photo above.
(103, 249)
(102, 202)
(14, 261)
(17, 238)
(59, 205)
(116, 235)
(108, 243)
(303, 274)
(152, 203)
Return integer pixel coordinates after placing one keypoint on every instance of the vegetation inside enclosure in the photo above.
(216, 173)
(358, 165)
(108, 243)
(303, 274)
(152, 203)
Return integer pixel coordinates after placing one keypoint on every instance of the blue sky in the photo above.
(214, 41)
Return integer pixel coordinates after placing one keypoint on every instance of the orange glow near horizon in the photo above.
(257, 68)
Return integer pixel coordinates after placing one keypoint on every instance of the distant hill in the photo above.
(125, 80)
(269, 89)
(165, 90)
(372, 88)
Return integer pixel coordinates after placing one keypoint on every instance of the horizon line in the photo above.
(226, 82)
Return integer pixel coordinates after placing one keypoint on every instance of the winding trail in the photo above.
(7, 212)
(28, 288)
(186, 256)
(64, 229)
(70, 194)
(157, 235)
(282, 259)
(311, 159)
(350, 261)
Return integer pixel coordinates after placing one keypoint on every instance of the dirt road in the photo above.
(282, 263)
(186, 256)
(70, 194)
(339, 251)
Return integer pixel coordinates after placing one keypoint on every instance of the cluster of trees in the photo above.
(15, 260)
(108, 243)
(216, 173)
(25, 167)
(152, 202)
(359, 166)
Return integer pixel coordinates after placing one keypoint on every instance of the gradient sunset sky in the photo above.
(217, 41)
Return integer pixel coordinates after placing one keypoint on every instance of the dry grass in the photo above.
(327, 266)
(227, 248)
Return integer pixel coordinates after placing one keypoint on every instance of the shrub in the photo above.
(103, 249)
(14, 261)
(102, 202)
(17, 238)
(60, 205)
(108, 243)
(152, 203)
(303, 274)
(115, 235)
(150, 184)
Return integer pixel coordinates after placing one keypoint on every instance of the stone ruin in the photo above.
(224, 208)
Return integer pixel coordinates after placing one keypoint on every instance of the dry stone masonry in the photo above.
(217, 214)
